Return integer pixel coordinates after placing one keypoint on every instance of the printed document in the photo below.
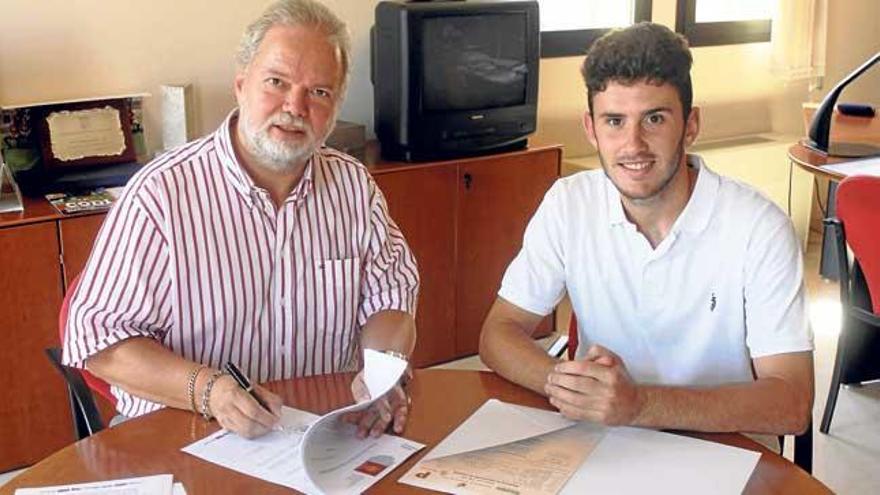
(148, 485)
(318, 454)
(509, 449)
(515, 449)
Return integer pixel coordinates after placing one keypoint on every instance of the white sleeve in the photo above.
(775, 311)
(535, 279)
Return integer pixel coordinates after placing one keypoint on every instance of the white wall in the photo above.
(54, 49)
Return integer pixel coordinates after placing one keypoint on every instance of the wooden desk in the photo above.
(812, 161)
(442, 399)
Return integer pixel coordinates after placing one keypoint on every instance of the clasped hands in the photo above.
(597, 388)
(236, 411)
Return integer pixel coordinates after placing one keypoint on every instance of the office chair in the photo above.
(80, 383)
(803, 443)
(858, 345)
(86, 418)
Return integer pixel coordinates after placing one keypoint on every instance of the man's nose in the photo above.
(634, 140)
(296, 102)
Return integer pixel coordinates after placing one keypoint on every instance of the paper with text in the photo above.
(147, 485)
(318, 454)
(506, 448)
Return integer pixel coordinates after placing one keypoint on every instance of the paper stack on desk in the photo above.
(318, 454)
(515, 449)
(161, 484)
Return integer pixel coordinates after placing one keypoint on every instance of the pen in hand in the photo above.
(245, 384)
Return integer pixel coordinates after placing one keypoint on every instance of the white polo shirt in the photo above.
(725, 286)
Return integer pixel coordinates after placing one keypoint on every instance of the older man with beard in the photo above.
(255, 245)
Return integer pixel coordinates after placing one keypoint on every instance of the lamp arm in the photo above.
(820, 126)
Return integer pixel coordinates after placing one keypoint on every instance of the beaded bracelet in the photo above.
(191, 386)
(206, 408)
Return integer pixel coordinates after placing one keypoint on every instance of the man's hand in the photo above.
(394, 406)
(238, 412)
(597, 388)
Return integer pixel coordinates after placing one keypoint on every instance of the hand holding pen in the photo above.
(251, 414)
(245, 384)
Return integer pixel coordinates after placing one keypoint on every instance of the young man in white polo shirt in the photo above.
(687, 286)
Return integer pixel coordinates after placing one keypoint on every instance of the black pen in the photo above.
(244, 383)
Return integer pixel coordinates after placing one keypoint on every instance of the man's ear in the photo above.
(692, 127)
(238, 84)
(590, 129)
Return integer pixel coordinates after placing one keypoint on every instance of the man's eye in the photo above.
(322, 93)
(614, 121)
(655, 119)
(274, 82)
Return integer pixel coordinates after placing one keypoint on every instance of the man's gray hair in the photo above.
(297, 13)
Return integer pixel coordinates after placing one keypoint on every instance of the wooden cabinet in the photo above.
(464, 220)
(34, 411)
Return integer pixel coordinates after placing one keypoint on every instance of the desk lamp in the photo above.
(820, 126)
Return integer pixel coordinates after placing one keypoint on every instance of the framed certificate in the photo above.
(83, 134)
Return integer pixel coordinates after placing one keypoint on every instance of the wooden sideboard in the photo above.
(40, 251)
(464, 220)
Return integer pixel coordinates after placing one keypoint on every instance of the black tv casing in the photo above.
(406, 131)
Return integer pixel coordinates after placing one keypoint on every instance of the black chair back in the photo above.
(86, 417)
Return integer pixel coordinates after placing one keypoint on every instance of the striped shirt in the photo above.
(197, 257)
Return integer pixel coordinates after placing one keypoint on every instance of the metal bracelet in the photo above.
(398, 355)
(191, 386)
(206, 408)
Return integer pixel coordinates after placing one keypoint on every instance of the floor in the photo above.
(847, 459)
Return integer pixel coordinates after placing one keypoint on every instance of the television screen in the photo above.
(472, 62)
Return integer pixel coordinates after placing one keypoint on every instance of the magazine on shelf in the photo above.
(95, 200)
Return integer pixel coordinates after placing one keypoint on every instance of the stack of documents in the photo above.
(162, 484)
(318, 454)
(515, 449)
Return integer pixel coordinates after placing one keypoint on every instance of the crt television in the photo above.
(454, 78)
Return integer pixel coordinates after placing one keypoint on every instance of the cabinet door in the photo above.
(34, 412)
(77, 236)
(498, 196)
(422, 203)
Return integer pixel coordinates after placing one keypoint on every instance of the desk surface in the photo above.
(813, 161)
(442, 399)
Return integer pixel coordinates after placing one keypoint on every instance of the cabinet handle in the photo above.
(468, 180)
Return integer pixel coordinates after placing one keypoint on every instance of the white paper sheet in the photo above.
(318, 454)
(497, 423)
(863, 166)
(147, 485)
(274, 457)
(637, 461)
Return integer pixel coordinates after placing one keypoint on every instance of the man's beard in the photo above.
(277, 154)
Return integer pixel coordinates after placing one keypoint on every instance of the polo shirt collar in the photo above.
(236, 175)
(695, 216)
(698, 210)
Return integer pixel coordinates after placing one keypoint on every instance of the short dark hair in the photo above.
(643, 51)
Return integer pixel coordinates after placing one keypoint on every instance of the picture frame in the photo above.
(86, 133)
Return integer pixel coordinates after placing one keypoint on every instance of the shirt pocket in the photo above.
(338, 297)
